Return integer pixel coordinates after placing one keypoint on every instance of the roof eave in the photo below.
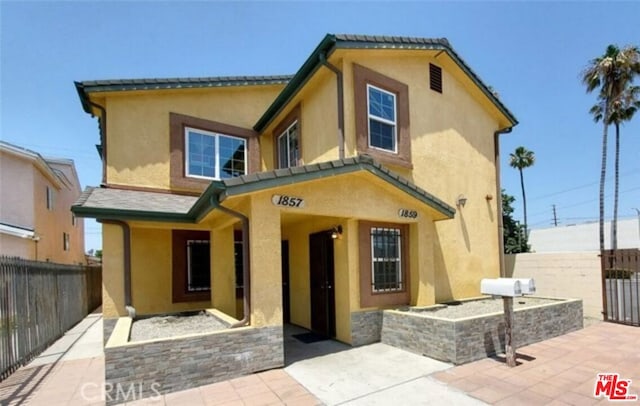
(330, 43)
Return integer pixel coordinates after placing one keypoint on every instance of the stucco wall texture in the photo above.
(562, 274)
(452, 148)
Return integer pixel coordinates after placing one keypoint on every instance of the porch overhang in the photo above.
(163, 207)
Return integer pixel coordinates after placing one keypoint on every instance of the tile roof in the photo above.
(332, 42)
(179, 83)
(278, 177)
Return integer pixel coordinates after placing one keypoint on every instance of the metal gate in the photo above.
(621, 286)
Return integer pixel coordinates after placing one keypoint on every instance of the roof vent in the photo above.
(435, 78)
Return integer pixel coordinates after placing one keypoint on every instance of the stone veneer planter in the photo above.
(135, 370)
(468, 339)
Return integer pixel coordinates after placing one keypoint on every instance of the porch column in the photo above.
(422, 263)
(223, 286)
(112, 272)
(266, 268)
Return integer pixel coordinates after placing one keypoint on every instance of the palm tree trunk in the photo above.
(603, 172)
(614, 223)
(524, 204)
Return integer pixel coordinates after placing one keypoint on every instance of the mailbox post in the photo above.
(508, 288)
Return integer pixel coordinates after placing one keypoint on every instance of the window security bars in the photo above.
(386, 260)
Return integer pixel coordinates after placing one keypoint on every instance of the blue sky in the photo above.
(530, 52)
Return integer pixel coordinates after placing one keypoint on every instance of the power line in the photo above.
(583, 202)
(586, 185)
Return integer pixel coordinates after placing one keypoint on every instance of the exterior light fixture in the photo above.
(336, 232)
(461, 201)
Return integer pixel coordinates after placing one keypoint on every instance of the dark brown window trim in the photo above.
(368, 298)
(361, 78)
(179, 290)
(177, 124)
(294, 115)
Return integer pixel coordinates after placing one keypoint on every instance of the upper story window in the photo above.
(382, 119)
(287, 140)
(202, 150)
(214, 156)
(49, 198)
(289, 147)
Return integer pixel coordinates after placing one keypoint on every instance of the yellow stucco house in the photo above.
(367, 180)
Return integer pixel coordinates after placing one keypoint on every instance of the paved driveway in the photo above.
(559, 371)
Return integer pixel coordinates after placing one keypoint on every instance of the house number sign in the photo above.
(409, 214)
(287, 201)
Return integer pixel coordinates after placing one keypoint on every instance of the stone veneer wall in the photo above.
(465, 340)
(366, 327)
(151, 368)
(107, 328)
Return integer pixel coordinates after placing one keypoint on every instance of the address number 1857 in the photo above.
(287, 201)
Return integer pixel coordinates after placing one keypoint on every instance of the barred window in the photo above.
(198, 265)
(386, 260)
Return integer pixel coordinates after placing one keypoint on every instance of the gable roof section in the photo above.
(97, 86)
(150, 206)
(332, 42)
(43, 164)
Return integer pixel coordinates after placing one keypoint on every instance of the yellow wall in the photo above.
(151, 273)
(112, 272)
(318, 122)
(139, 122)
(452, 154)
(223, 275)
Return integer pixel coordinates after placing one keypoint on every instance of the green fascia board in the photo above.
(330, 43)
(308, 68)
(116, 214)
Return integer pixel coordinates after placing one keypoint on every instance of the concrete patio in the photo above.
(558, 371)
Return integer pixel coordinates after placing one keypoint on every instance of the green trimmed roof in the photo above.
(331, 42)
(96, 86)
(150, 206)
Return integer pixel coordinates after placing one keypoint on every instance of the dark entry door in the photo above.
(286, 304)
(321, 278)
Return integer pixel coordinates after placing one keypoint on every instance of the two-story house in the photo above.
(367, 180)
(36, 194)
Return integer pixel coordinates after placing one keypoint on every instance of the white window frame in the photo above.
(216, 164)
(398, 259)
(383, 120)
(189, 242)
(287, 133)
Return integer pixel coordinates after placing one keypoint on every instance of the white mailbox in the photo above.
(527, 285)
(501, 287)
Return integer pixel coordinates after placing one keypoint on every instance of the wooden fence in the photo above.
(621, 286)
(39, 302)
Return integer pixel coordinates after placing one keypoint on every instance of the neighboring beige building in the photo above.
(36, 194)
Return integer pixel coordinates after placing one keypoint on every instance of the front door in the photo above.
(286, 306)
(321, 278)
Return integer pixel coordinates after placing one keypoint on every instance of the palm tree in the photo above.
(611, 73)
(520, 159)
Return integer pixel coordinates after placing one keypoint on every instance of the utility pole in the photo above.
(555, 217)
(638, 211)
